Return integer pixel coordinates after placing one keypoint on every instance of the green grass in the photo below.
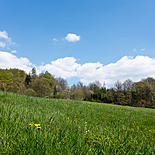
(73, 127)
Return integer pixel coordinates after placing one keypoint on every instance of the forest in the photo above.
(139, 94)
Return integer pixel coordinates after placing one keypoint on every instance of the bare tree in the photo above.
(118, 86)
(149, 80)
(127, 84)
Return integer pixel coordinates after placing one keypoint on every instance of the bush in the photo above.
(30, 92)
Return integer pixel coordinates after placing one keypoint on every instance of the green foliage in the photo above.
(5, 75)
(41, 87)
(33, 73)
(73, 127)
(30, 92)
(140, 93)
(28, 79)
(17, 85)
(55, 91)
(49, 77)
(18, 73)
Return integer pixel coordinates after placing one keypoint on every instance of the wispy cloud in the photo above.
(5, 39)
(2, 44)
(54, 39)
(143, 49)
(14, 51)
(135, 50)
(72, 37)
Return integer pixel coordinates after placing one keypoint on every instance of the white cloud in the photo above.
(8, 60)
(64, 67)
(72, 37)
(4, 34)
(8, 41)
(135, 50)
(54, 39)
(2, 44)
(142, 49)
(14, 51)
(127, 67)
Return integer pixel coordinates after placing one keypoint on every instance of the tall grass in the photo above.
(73, 127)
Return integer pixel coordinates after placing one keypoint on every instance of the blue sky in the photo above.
(84, 40)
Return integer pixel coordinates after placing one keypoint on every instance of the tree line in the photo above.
(130, 93)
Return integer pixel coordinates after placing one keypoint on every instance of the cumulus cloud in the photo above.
(14, 51)
(2, 44)
(127, 67)
(72, 37)
(8, 60)
(64, 67)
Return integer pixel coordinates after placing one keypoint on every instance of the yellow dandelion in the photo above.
(145, 128)
(49, 117)
(68, 118)
(56, 115)
(31, 124)
(150, 130)
(38, 127)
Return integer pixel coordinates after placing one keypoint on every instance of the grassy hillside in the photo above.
(30, 125)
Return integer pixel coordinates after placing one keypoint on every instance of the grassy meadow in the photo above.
(30, 125)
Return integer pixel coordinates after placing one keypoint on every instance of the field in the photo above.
(30, 125)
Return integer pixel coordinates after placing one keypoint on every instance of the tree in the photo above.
(49, 77)
(110, 95)
(79, 84)
(120, 98)
(86, 94)
(17, 85)
(30, 92)
(55, 91)
(62, 82)
(118, 86)
(73, 88)
(27, 79)
(128, 96)
(33, 73)
(127, 84)
(149, 80)
(41, 87)
(94, 86)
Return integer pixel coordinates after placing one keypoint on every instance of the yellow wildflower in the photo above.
(37, 125)
(31, 124)
(68, 118)
(150, 130)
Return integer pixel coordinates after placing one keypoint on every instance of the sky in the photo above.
(79, 40)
